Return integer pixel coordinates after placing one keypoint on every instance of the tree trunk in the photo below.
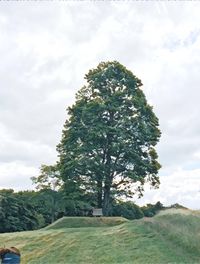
(106, 201)
(106, 198)
(108, 179)
(99, 194)
(53, 209)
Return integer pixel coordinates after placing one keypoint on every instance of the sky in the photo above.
(46, 48)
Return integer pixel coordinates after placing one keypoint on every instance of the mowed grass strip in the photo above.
(138, 241)
(71, 222)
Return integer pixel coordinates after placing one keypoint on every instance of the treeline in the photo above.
(30, 210)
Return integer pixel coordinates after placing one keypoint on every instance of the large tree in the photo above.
(108, 140)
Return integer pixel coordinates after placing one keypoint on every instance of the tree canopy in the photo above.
(108, 142)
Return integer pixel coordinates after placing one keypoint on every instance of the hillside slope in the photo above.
(170, 237)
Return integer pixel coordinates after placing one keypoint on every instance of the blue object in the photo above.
(11, 258)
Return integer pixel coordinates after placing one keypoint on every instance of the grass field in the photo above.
(173, 236)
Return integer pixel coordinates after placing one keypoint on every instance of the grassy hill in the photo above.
(173, 236)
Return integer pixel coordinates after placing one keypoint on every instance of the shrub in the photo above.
(128, 210)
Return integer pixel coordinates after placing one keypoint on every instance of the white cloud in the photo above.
(28, 152)
(15, 175)
(182, 186)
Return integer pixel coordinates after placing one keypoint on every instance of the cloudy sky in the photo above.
(47, 47)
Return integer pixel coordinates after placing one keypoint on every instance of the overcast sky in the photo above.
(47, 47)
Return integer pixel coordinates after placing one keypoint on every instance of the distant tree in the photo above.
(108, 140)
(177, 206)
(150, 210)
(16, 214)
(77, 208)
(127, 209)
(48, 178)
(49, 199)
(51, 204)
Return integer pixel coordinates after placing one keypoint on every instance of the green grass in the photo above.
(169, 237)
(180, 227)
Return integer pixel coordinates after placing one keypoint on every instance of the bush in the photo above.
(128, 210)
(151, 209)
(77, 208)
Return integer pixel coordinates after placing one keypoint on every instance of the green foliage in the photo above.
(77, 208)
(46, 202)
(107, 145)
(16, 214)
(151, 209)
(28, 210)
(48, 179)
(128, 210)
